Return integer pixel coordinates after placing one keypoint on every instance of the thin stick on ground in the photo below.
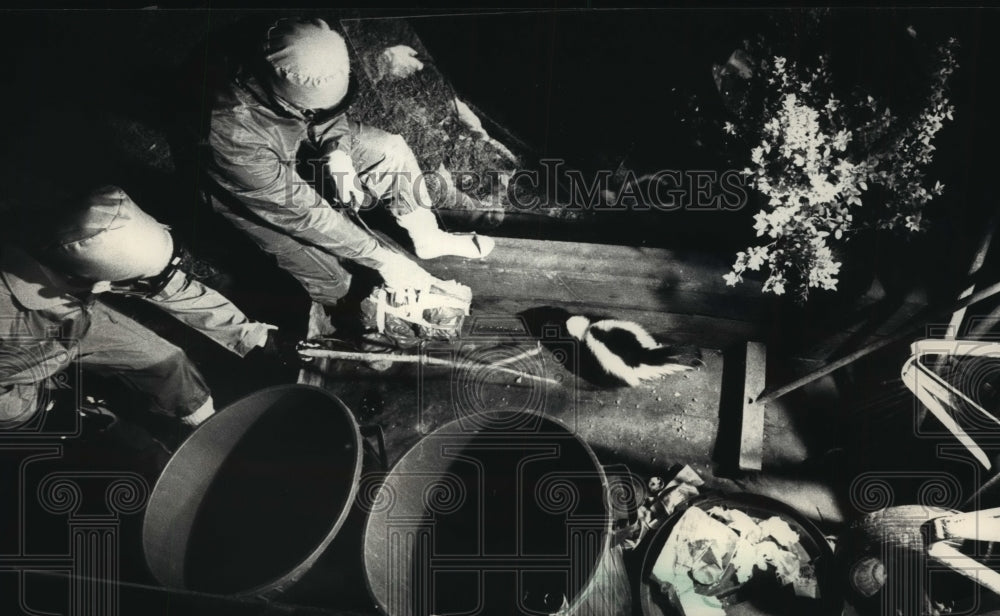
(513, 358)
(418, 359)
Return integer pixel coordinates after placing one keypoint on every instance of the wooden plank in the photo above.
(606, 276)
(752, 426)
(616, 279)
(679, 270)
(535, 291)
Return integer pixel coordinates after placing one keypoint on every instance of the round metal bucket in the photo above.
(508, 513)
(253, 498)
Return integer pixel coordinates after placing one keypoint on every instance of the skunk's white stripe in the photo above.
(611, 362)
(635, 329)
(579, 327)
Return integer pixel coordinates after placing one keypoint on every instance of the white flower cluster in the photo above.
(813, 166)
(803, 171)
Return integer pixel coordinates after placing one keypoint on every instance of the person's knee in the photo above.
(163, 372)
(398, 174)
(327, 295)
(168, 355)
(154, 355)
(178, 386)
(395, 149)
(320, 274)
(330, 291)
(395, 143)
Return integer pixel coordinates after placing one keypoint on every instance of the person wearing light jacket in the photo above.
(51, 314)
(294, 94)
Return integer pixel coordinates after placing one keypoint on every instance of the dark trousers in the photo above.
(117, 346)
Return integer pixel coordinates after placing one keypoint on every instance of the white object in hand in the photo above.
(399, 272)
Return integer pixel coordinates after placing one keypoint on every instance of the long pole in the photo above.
(419, 359)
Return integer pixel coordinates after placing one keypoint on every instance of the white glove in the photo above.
(399, 273)
(398, 62)
(349, 188)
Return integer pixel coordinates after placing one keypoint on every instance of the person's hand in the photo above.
(349, 189)
(284, 348)
(400, 273)
(398, 62)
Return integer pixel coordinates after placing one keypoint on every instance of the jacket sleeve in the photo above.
(24, 366)
(26, 357)
(32, 362)
(244, 165)
(209, 312)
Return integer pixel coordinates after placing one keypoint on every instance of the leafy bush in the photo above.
(829, 167)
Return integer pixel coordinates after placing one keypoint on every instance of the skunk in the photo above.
(625, 350)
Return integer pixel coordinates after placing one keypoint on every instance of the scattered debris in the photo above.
(709, 555)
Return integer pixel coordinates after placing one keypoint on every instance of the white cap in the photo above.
(309, 63)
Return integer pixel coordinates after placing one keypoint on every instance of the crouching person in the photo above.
(294, 94)
(50, 296)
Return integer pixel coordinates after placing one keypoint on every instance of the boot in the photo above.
(430, 242)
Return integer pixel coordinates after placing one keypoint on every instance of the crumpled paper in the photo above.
(711, 548)
(664, 500)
